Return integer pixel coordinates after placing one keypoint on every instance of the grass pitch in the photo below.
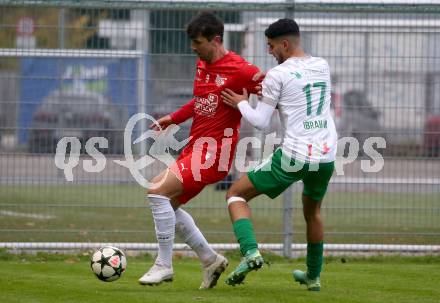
(46, 278)
(119, 213)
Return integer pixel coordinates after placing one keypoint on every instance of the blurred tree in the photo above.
(78, 29)
(78, 26)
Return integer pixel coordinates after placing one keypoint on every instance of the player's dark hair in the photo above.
(282, 27)
(205, 24)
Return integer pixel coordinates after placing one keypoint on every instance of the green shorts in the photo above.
(275, 174)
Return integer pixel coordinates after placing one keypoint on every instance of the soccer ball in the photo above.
(108, 263)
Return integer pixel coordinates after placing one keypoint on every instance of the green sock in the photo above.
(314, 259)
(244, 232)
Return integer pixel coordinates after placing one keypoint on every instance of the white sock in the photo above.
(187, 230)
(165, 224)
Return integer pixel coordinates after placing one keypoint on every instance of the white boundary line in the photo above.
(63, 53)
(397, 248)
(8, 213)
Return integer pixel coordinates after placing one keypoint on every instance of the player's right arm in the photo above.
(183, 113)
(177, 117)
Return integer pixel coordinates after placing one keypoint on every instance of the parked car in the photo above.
(80, 114)
(431, 137)
(359, 119)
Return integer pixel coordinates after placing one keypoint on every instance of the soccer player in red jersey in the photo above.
(208, 156)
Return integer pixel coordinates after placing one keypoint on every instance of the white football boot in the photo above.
(212, 272)
(156, 275)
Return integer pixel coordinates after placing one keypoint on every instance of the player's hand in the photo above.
(232, 99)
(258, 77)
(259, 90)
(164, 122)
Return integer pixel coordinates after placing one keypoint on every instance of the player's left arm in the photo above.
(260, 116)
(251, 78)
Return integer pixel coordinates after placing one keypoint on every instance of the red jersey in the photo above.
(210, 115)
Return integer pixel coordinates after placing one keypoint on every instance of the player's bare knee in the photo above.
(311, 217)
(234, 195)
(158, 190)
(233, 191)
(154, 191)
(231, 194)
(161, 186)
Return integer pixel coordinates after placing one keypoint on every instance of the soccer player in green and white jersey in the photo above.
(300, 88)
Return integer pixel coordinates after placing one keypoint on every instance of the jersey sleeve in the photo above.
(247, 73)
(183, 113)
(258, 117)
(272, 85)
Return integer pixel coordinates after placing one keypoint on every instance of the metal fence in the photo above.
(82, 68)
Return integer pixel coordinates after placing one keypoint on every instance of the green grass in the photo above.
(46, 278)
(119, 213)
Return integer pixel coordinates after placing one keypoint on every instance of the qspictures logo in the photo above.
(164, 141)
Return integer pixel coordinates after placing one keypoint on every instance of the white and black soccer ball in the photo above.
(108, 263)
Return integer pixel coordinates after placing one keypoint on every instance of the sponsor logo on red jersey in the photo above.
(206, 106)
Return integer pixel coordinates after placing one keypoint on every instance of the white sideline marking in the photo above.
(399, 248)
(25, 215)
